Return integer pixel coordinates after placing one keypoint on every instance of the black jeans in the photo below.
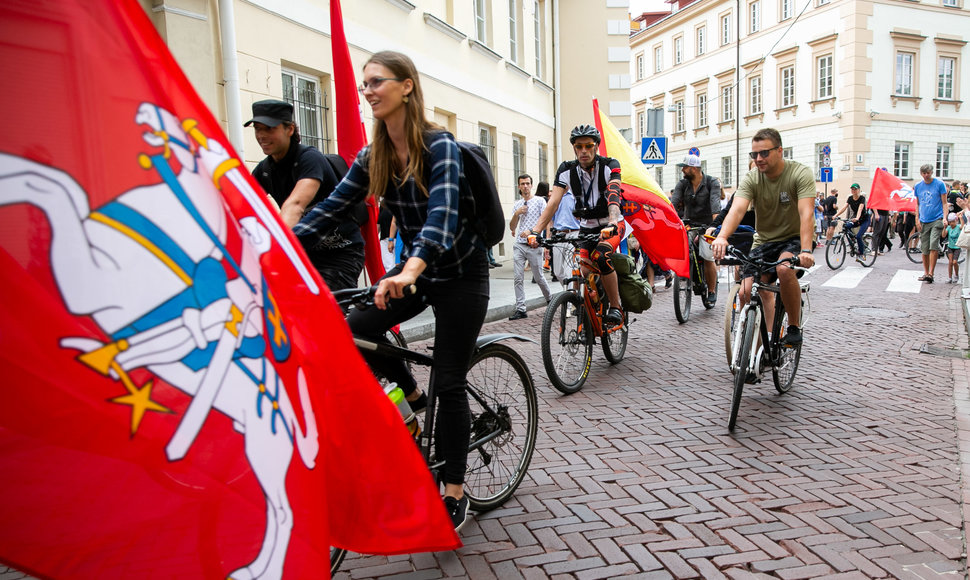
(459, 312)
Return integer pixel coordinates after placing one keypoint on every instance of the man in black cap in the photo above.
(297, 177)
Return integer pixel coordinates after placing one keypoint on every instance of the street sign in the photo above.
(827, 161)
(653, 151)
(825, 174)
(826, 150)
(694, 151)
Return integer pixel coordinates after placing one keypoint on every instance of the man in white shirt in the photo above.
(525, 216)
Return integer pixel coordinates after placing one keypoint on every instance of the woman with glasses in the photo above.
(413, 167)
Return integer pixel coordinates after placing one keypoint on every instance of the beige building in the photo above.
(512, 75)
(860, 84)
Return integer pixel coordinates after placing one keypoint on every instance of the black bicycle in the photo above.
(504, 414)
(845, 242)
(754, 349)
(915, 255)
(696, 282)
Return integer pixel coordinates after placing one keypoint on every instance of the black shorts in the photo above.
(770, 252)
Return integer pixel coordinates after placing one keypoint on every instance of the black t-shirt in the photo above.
(384, 219)
(830, 206)
(854, 205)
(951, 199)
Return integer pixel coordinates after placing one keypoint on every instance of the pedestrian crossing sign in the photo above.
(653, 151)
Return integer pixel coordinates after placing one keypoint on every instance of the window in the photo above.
(702, 110)
(754, 98)
(658, 59)
(951, 3)
(727, 103)
(824, 77)
(543, 162)
(821, 2)
(513, 33)
(518, 155)
(641, 124)
(486, 140)
(726, 173)
(640, 67)
(787, 86)
(754, 20)
(901, 160)
(904, 74)
(701, 39)
(943, 160)
(944, 77)
(679, 117)
(679, 50)
(309, 106)
(726, 29)
(787, 153)
(658, 174)
(820, 156)
(538, 15)
(481, 22)
(787, 9)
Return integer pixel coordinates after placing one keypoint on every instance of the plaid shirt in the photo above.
(429, 225)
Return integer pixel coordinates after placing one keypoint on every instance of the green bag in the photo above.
(635, 294)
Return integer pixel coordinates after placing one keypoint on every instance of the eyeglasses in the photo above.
(763, 154)
(375, 82)
(584, 146)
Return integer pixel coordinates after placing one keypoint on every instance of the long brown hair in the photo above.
(382, 164)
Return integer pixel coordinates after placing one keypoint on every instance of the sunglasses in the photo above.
(762, 154)
(584, 146)
(375, 82)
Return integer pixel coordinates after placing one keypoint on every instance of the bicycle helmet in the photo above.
(584, 131)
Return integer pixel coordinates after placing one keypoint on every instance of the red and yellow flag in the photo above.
(645, 207)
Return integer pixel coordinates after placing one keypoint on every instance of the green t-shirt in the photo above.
(776, 202)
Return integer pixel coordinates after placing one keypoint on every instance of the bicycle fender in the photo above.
(488, 339)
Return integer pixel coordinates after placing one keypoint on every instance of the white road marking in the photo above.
(905, 281)
(848, 278)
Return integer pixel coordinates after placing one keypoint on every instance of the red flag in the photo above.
(888, 192)
(351, 136)
(645, 207)
(181, 396)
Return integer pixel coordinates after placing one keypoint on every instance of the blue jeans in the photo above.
(862, 227)
(459, 312)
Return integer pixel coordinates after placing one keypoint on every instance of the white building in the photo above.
(876, 83)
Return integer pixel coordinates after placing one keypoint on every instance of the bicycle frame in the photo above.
(757, 303)
(590, 282)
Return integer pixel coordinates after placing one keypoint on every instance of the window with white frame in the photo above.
(904, 74)
(727, 166)
(543, 162)
(701, 40)
(658, 174)
(640, 67)
(787, 153)
(481, 21)
(513, 32)
(725, 29)
(727, 103)
(821, 2)
(820, 156)
(943, 160)
(787, 87)
(901, 160)
(951, 3)
(824, 67)
(658, 59)
(702, 110)
(679, 125)
(787, 9)
(486, 140)
(309, 108)
(945, 69)
(679, 50)
(537, 17)
(754, 95)
(754, 17)
(518, 155)
(641, 124)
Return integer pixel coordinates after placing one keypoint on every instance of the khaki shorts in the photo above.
(929, 237)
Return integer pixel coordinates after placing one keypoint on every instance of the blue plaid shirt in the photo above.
(430, 226)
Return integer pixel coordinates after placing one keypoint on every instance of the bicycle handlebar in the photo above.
(362, 297)
(764, 266)
(569, 239)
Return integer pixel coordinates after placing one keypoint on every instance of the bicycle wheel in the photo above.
(913, 250)
(707, 303)
(682, 298)
(747, 333)
(337, 556)
(505, 422)
(567, 342)
(731, 311)
(614, 343)
(869, 258)
(835, 253)
(785, 367)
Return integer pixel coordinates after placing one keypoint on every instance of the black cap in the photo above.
(271, 113)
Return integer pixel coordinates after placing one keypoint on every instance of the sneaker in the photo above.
(458, 510)
(613, 316)
(712, 298)
(793, 337)
(519, 314)
(419, 404)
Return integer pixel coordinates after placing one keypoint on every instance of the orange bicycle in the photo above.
(573, 322)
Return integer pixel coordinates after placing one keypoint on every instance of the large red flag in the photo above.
(351, 136)
(645, 207)
(181, 396)
(888, 192)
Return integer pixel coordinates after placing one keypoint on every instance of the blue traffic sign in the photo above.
(825, 174)
(653, 151)
(694, 151)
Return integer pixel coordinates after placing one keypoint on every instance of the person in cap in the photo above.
(858, 217)
(297, 177)
(697, 199)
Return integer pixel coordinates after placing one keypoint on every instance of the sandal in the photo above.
(929, 279)
(922, 278)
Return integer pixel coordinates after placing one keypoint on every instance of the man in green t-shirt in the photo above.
(783, 195)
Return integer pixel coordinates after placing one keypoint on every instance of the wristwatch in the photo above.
(805, 251)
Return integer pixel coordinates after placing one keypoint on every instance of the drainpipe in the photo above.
(230, 72)
(557, 79)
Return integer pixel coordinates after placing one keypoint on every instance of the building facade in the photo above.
(512, 75)
(852, 84)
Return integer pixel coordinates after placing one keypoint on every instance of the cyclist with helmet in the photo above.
(594, 182)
